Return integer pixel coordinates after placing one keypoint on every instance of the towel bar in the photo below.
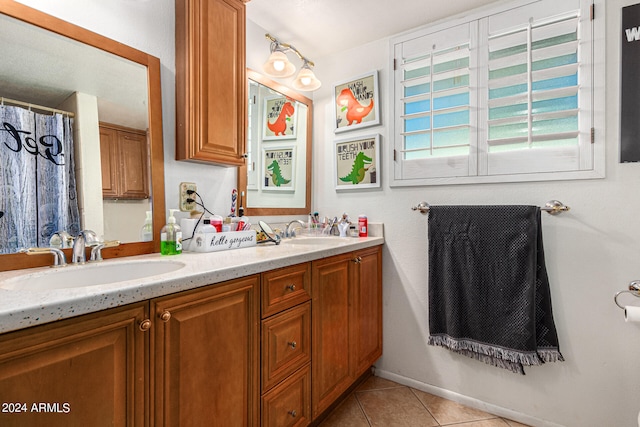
(552, 207)
(634, 289)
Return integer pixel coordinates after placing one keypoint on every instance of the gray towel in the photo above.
(488, 287)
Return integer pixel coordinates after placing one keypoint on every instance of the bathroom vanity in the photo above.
(266, 335)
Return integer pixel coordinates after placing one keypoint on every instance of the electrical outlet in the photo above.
(184, 205)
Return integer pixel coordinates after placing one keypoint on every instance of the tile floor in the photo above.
(380, 402)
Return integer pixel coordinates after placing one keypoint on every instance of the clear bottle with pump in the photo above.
(146, 232)
(171, 236)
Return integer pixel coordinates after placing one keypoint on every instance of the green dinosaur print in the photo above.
(358, 170)
(276, 175)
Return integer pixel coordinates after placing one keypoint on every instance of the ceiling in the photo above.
(321, 27)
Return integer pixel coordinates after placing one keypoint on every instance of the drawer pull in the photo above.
(165, 316)
(293, 413)
(291, 287)
(145, 325)
(292, 344)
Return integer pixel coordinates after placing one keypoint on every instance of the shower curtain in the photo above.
(37, 178)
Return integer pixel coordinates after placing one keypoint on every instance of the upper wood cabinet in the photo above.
(124, 158)
(210, 81)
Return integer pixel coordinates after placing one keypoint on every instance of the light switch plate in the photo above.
(186, 206)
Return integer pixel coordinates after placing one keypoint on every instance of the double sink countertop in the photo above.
(22, 308)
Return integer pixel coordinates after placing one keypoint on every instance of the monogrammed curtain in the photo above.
(37, 178)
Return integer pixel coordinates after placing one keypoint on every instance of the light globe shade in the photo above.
(306, 80)
(278, 65)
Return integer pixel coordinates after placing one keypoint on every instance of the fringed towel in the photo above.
(489, 293)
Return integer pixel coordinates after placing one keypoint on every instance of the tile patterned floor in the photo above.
(384, 403)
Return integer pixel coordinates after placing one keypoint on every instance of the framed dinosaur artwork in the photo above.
(357, 163)
(278, 164)
(279, 118)
(356, 102)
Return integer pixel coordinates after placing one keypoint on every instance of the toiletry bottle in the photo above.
(216, 221)
(227, 224)
(171, 236)
(363, 226)
(146, 233)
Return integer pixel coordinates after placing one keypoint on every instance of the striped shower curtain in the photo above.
(37, 178)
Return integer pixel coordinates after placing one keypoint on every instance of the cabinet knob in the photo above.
(357, 260)
(292, 344)
(291, 287)
(145, 325)
(293, 413)
(165, 316)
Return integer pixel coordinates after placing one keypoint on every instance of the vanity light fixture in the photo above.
(278, 65)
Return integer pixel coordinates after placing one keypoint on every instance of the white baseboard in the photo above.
(466, 400)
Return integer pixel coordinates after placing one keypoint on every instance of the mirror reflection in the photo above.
(74, 126)
(278, 168)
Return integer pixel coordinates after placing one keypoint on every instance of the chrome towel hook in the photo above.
(634, 289)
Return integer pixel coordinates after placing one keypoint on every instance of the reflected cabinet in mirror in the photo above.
(80, 138)
(277, 177)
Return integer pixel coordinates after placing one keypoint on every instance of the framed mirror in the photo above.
(99, 70)
(276, 178)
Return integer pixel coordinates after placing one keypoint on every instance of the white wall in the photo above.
(591, 252)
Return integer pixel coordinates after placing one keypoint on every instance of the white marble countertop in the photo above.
(23, 308)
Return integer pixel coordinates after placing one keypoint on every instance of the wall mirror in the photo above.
(276, 179)
(51, 63)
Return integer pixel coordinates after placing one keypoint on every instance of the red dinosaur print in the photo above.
(355, 111)
(279, 126)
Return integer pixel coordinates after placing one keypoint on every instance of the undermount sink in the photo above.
(326, 240)
(77, 276)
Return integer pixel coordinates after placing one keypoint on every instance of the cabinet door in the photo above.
(109, 162)
(133, 163)
(87, 371)
(206, 359)
(210, 81)
(367, 306)
(331, 338)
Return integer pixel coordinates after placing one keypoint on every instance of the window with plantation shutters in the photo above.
(504, 97)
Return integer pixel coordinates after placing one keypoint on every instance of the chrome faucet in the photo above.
(58, 256)
(85, 239)
(288, 231)
(96, 252)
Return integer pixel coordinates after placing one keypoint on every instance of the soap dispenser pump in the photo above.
(146, 233)
(171, 236)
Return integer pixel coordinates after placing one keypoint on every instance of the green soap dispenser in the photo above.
(171, 236)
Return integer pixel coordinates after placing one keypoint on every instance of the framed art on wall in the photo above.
(357, 162)
(278, 165)
(356, 102)
(279, 118)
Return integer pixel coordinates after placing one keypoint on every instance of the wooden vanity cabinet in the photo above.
(124, 155)
(210, 81)
(346, 322)
(286, 346)
(87, 371)
(206, 356)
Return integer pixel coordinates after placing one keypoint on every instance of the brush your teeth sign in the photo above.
(630, 87)
(356, 162)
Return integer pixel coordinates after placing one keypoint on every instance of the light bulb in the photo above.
(305, 80)
(278, 65)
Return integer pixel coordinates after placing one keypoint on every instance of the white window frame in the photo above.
(414, 173)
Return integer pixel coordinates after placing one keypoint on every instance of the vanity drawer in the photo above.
(289, 403)
(285, 288)
(286, 344)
